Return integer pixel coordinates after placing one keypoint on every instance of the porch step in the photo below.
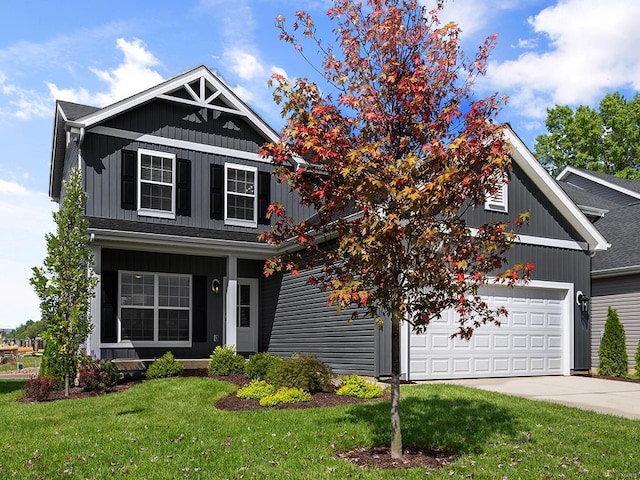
(126, 365)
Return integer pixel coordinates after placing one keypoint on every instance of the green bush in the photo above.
(257, 389)
(637, 359)
(53, 365)
(356, 386)
(286, 395)
(97, 375)
(165, 366)
(225, 361)
(305, 372)
(259, 364)
(613, 349)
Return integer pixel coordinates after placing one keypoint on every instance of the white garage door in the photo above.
(528, 342)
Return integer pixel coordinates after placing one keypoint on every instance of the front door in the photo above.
(247, 315)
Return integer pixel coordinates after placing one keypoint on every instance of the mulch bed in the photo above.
(77, 392)
(412, 457)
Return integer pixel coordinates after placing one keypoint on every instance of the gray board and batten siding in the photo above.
(620, 293)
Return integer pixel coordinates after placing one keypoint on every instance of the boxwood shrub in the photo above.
(165, 366)
(225, 361)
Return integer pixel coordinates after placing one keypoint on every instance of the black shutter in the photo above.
(183, 187)
(199, 318)
(264, 197)
(216, 204)
(109, 307)
(129, 166)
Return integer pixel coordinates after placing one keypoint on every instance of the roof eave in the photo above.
(525, 159)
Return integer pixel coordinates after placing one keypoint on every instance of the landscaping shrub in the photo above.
(97, 375)
(637, 359)
(613, 349)
(53, 365)
(259, 364)
(165, 366)
(357, 386)
(37, 389)
(286, 395)
(225, 361)
(257, 389)
(305, 372)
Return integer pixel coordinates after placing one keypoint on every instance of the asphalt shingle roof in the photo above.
(621, 227)
(586, 199)
(74, 111)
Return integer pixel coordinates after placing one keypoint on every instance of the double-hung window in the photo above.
(156, 192)
(240, 195)
(155, 308)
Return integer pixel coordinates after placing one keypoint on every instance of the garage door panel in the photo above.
(528, 342)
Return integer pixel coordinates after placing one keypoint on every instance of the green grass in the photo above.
(170, 429)
(26, 361)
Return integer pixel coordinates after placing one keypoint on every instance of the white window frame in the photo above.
(237, 221)
(156, 315)
(499, 201)
(150, 212)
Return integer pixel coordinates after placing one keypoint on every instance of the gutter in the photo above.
(614, 272)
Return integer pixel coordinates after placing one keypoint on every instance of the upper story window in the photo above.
(157, 183)
(240, 195)
(498, 202)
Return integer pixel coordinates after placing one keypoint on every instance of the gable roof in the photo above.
(621, 185)
(550, 188)
(198, 87)
(585, 199)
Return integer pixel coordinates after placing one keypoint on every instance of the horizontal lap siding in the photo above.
(622, 294)
(302, 322)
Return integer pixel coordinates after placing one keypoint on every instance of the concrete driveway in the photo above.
(605, 396)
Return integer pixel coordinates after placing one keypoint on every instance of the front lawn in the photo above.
(170, 429)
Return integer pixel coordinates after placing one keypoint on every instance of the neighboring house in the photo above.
(177, 195)
(613, 205)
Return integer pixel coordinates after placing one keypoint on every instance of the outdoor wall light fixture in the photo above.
(583, 301)
(215, 286)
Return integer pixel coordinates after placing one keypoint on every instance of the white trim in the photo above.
(151, 212)
(156, 318)
(593, 211)
(231, 304)
(157, 242)
(198, 103)
(174, 143)
(237, 221)
(568, 170)
(551, 242)
(525, 159)
(172, 85)
(544, 241)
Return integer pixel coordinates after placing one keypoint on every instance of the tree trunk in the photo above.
(66, 378)
(396, 433)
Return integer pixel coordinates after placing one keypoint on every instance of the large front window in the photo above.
(241, 199)
(157, 183)
(155, 307)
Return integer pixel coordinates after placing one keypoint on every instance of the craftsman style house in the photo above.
(177, 194)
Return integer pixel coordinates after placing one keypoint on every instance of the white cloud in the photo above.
(133, 75)
(472, 16)
(592, 49)
(26, 217)
(23, 104)
(244, 64)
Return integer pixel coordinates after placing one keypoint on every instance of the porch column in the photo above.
(93, 340)
(232, 301)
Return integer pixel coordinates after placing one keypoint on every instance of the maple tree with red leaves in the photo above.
(391, 165)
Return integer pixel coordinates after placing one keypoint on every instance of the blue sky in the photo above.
(549, 52)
